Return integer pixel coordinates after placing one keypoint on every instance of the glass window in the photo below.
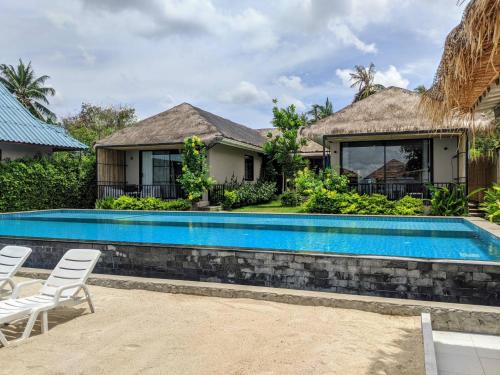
(363, 162)
(249, 168)
(402, 161)
(161, 167)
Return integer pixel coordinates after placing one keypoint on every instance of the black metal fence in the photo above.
(216, 194)
(396, 191)
(164, 191)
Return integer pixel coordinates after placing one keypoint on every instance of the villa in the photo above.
(23, 135)
(145, 159)
(384, 144)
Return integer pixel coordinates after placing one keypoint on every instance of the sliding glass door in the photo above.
(161, 167)
(397, 162)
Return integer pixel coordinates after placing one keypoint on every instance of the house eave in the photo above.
(396, 135)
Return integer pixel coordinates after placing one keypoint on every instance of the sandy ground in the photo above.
(140, 332)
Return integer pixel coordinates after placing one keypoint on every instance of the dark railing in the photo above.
(164, 191)
(216, 194)
(397, 190)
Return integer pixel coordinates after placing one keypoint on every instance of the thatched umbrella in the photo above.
(468, 75)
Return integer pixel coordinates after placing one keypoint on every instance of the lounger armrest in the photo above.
(22, 285)
(59, 290)
(8, 280)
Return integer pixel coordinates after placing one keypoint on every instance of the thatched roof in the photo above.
(178, 123)
(392, 110)
(470, 64)
(311, 148)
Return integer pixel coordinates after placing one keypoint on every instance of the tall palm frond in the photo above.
(29, 90)
(318, 111)
(363, 78)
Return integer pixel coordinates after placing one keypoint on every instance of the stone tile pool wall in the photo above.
(471, 282)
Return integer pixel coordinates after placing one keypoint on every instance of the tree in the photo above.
(363, 78)
(95, 122)
(284, 148)
(195, 179)
(420, 89)
(320, 111)
(29, 90)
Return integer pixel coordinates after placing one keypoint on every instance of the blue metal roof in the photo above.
(18, 125)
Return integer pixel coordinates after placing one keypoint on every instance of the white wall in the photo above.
(14, 151)
(335, 156)
(132, 170)
(445, 166)
(224, 161)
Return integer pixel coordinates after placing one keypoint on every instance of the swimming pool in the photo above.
(419, 237)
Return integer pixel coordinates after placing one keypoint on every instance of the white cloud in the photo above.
(256, 29)
(347, 37)
(345, 76)
(245, 93)
(87, 57)
(291, 82)
(391, 77)
(286, 100)
(138, 52)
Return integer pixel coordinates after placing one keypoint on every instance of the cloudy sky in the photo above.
(228, 57)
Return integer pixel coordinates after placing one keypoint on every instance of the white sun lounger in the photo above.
(60, 289)
(11, 259)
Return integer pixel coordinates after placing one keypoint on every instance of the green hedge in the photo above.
(130, 203)
(61, 180)
(491, 204)
(332, 202)
(248, 194)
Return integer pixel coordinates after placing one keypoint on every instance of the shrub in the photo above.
(248, 194)
(491, 204)
(290, 199)
(306, 182)
(195, 179)
(333, 202)
(409, 206)
(61, 180)
(130, 203)
(331, 180)
(230, 199)
(450, 200)
(105, 203)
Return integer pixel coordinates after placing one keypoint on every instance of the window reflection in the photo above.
(403, 161)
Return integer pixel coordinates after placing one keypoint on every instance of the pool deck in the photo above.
(144, 332)
(467, 354)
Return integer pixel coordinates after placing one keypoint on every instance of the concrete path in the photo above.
(467, 354)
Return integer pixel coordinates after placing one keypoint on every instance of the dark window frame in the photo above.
(385, 143)
(168, 152)
(249, 168)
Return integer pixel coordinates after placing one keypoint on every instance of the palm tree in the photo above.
(420, 89)
(320, 111)
(28, 89)
(363, 78)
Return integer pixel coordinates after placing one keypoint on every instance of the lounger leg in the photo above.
(45, 322)
(89, 299)
(3, 340)
(29, 326)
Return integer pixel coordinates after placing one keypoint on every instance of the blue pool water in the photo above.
(450, 238)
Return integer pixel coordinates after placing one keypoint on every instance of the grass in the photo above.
(273, 206)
